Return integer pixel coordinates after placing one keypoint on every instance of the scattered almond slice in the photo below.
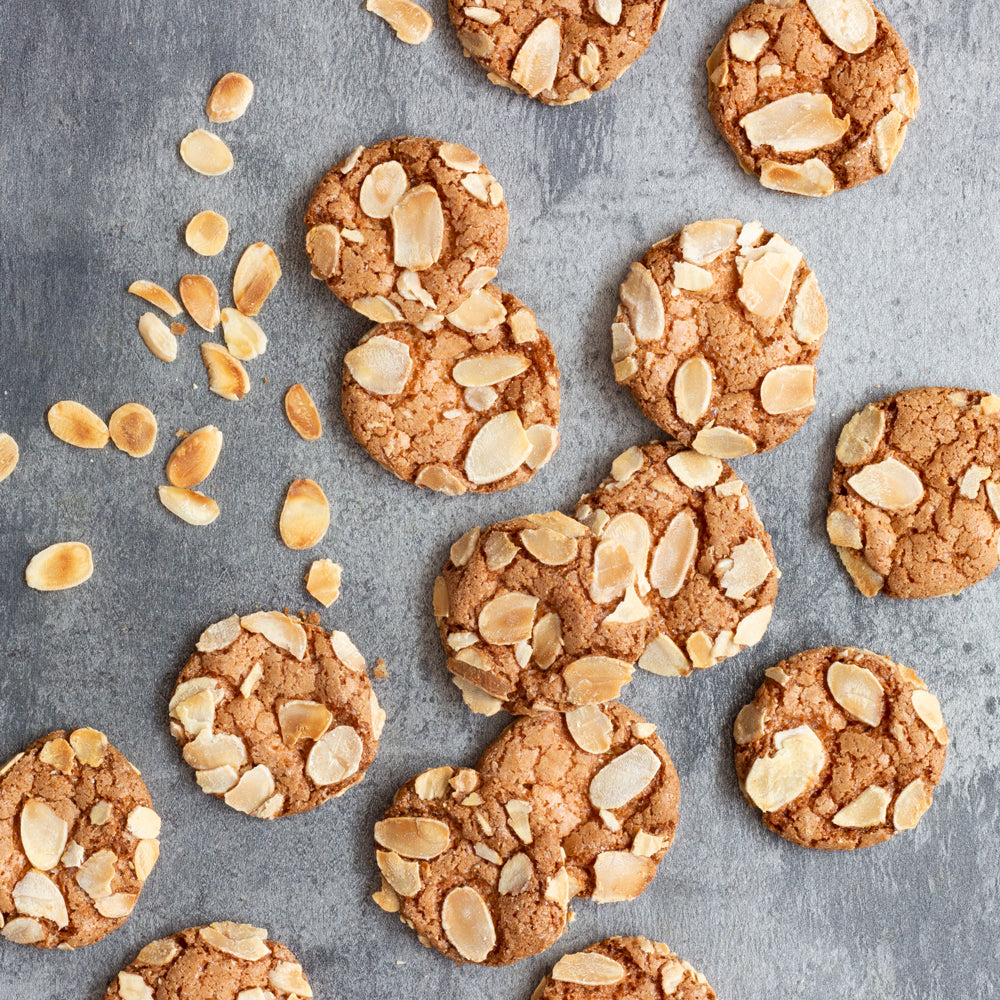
(788, 389)
(278, 629)
(775, 781)
(230, 98)
(73, 423)
(537, 60)
(588, 968)
(888, 484)
(858, 691)
(861, 436)
(467, 923)
(201, 300)
(621, 876)
(305, 515)
(723, 442)
(60, 567)
(193, 460)
(206, 234)
(132, 428)
(813, 178)
(226, 376)
(206, 153)
(156, 296)
(243, 335)
(189, 505)
(409, 20)
(643, 303)
(9, 455)
(693, 389)
(157, 337)
(867, 810)
(256, 275)
(911, 803)
(302, 413)
(323, 581)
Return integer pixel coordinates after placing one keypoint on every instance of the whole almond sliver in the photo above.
(409, 20)
(256, 275)
(157, 337)
(207, 233)
(795, 124)
(73, 423)
(206, 153)
(226, 376)
(133, 429)
(60, 566)
(194, 458)
(243, 335)
(189, 505)
(537, 60)
(230, 98)
(201, 300)
(156, 296)
(302, 413)
(305, 515)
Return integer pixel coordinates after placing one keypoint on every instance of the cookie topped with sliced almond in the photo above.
(471, 407)
(717, 337)
(840, 748)
(814, 96)
(274, 714)
(79, 837)
(915, 506)
(407, 229)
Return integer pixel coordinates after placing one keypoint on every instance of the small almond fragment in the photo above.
(546, 640)
(380, 365)
(593, 679)
(641, 298)
(193, 460)
(73, 423)
(888, 484)
(795, 124)
(814, 178)
(751, 566)
(590, 728)
(849, 24)
(499, 448)
(703, 242)
(335, 756)
(694, 470)
(302, 413)
(230, 98)
(206, 153)
(189, 505)
(133, 987)
(408, 19)
(868, 581)
(515, 875)
(413, 837)
(627, 776)
(213, 752)
(767, 279)
(278, 629)
(303, 720)
(843, 529)
(418, 228)
(226, 376)
(481, 312)
(674, 555)
(693, 389)
(253, 789)
(157, 337)
(928, 709)
(620, 876)
(323, 243)
(691, 278)
(752, 628)
(544, 440)
(43, 834)
(323, 581)
(36, 895)
(867, 810)
(256, 275)
(788, 389)
(403, 876)
(156, 296)
(861, 436)
(132, 428)
(809, 316)
(206, 234)
(775, 781)
(60, 567)
(858, 691)
(588, 968)
(748, 44)
(305, 515)
(508, 619)
(664, 657)
(537, 60)
(244, 337)
(723, 442)
(911, 803)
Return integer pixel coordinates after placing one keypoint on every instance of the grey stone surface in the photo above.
(95, 97)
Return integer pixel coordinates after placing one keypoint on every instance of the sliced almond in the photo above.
(928, 709)
(546, 640)
(433, 784)
(418, 228)
(302, 413)
(193, 460)
(515, 875)
(849, 24)
(403, 876)
(278, 629)
(156, 296)
(972, 480)
(413, 837)
(749, 724)
(323, 243)
(537, 60)
(691, 278)
(157, 337)
(588, 968)
(814, 178)
(775, 781)
(206, 153)
(189, 505)
(867, 810)
(795, 124)
(613, 571)
(239, 940)
(335, 756)
(489, 369)
(288, 977)
(458, 157)
(788, 389)
(888, 484)
(132, 986)
(890, 134)
(858, 691)
(591, 680)
(809, 317)
(620, 876)
(256, 275)
(244, 337)
(23, 930)
(843, 529)
(9, 454)
(56, 753)
(303, 720)
(543, 440)
(36, 895)
(214, 751)
(382, 189)
(253, 789)
(498, 450)
(627, 776)
(641, 298)
(664, 657)
(865, 578)
(508, 619)
(751, 566)
(305, 515)
(132, 428)
(73, 423)
(43, 834)
(548, 546)
(748, 44)
(143, 823)
(60, 567)
(704, 242)
(481, 312)
(97, 873)
(380, 365)
(723, 442)
(207, 233)
(696, 471)
(767, 280)
(693, 389)
(230, 98)
(323, 581)
(146, 854)
(752, 628)
(408, 19)
(590, 728)
(226, 376)
(468, 925)
(674, 555)
(861, 436)
(911, 803)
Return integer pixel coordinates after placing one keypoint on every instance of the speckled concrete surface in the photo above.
(95, 98)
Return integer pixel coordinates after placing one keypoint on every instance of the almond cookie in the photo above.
(529, 623)
(78, 839)
(624, 967)
(275, 715)
(466, 869)
(559, 52)
(472, 407)
(840, 748)
(814, 96)
(602, 780)
(683, 549)
(717, 337)
(407, 229)
(224, 961)
(915, 510)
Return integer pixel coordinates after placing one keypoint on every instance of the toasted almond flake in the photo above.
(609, 11)
(888, 484)
(621, 876)
(323, 243)
(278, 629)
(386, 899)
(147, 852)
(631, 530)
(477, 700)
(43, 834)
(214, 751)
(335, 756)
(795, 124)
(814, 178)
(96, 874)
(752, 628)
(591, 680)
(413, 837)
(703, 242)
(641, 298)
(588, 968)
(767, 280)
(508, 619)
(206, 153)
(691, 278)
(36, 895)
(866, 579)
(132, 428)
(590, 728)
(9, 454)
(458, 157)
(775, 781)
(134, 987)
(253, 789)
(546, 640)
(252, 679)
(477, 278)
(623, 344)
(693, 389)
(193, 460)
(189, 505)
(303, 720)
(972, 479)
(489, 369)
(156, 296)
(178, 329)
(230, 98)
(302, 413)
(73, 423)
(613, 571)
(499, 448)
(674, 555)
(403, 876)
(549, 547)
(696, 471)
(305, 515)
(625, 777)
(928, 709)
(630, 609)
(382, 189)
(288, 978)
(256, 275)
(861, 436)
(911, 803)
(993, 494)
(476, 186)
(462, 550)
(664, 657)
(478, 44)
(537, 60)
(226, 376)
(143, 823)
(418, 228)
(155, 335)
(843, 529)
(433, 784)
(751, 566)
(543, 440)
(480, 313)
(749, 724)
(411, 23)
(23, 930)
(723, 442)
(56, 753)
(207, 233)
(323, 581)
(858, 691)
(890, 134)
(239, 940)
(867, 810)
(160, 952)
(60, 567)
(517, 816)
(849, 24)
(195, 713)
(788, 389)
(809, 317)
(244, 337)
(117, 905)
(515, 875)
(700, 649)
(380, 365)
(468, 925)
(748, 44)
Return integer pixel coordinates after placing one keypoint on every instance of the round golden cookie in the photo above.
(275, 715)
(524, 624)
(467, 866)
(224, 961)
(602, 780)
(471, 407)
(717, 337)
(684, 554)
(623, 968)
(840, 748)
(78, 839)
(814, 96)
(915, 508)
(561, 51)
(407, 229)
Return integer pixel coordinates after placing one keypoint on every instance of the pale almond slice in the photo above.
(593, 679)
(43, 834)
(226, 376)
(694, 470)
(544, 441)
(418, 228)
(625, 777)
(631, 530)
(928, 709)
(230, 98)
(408, 285)
(489, 369)
(132, 428)
(809, 317)
(749, 724)
(865, 578)
(843, 529)
(691, 278)
(588, 968)
(498, 450)
(849, 24)
(641, 298)
(499, 550)
(244, 337)
(89, 746)
(723, 442)
(382, 189)
(212, 752)
(631, 609)
(795, 124)
(993, 495)
(253, 789)
(480, 276)
(814, 178)
(97, 873)
(156, 296)
(323, 244)
(750, 566)
(788, 389)
(60, 567)
(972, 479)
(403, 876)
(775, 781)
(674, 555)
(206, 234)
(890, 134)
(590, 728)
(303, 720)
(380, 365)
(256, 275)
(335, 756)
(206, 153)
(144, 823)
(693, 389)
(73, 423)
(752, 628)
(468, 925)
(239, 940)
(323, 581)
(515, 875)
(408, 19)
(861, 436)
(858, 691)
(193, 460)
(413, 837)
(9, 455)
(508, 619)
(621, 876)
(458, 157)
(766, 282)
(867, 810)
(911, 803)
(481, 312)
(433, 784)
(305, 515)
(748, 44)
(609, 11)
(546, 640)
(278, 629)
(23, 930)
(462, 550)
(157, 337)
(537, 60)
(302, 413)
(36, 895)
(548, 546)
(703, 242)
(132, 986)
(888, 484)
(189, 505)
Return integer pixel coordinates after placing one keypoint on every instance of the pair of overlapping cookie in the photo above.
(456, 389)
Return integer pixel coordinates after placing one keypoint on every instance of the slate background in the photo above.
(95, 97)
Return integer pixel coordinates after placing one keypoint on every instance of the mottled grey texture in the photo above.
(95, 98)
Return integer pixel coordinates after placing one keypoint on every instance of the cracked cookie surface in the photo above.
(814, 96)
(915, 506)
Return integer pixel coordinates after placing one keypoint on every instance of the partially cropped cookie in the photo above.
(560, 52)
(78, 839)
(624, 967)
(275, 715)
(526, 624)
(840, 748)
(473, 406)
(407, 229)
(465, 867)
(814, 96)
(717, 337)
(684, 554)
(601, 779)
(915, 510)
(225, 961)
